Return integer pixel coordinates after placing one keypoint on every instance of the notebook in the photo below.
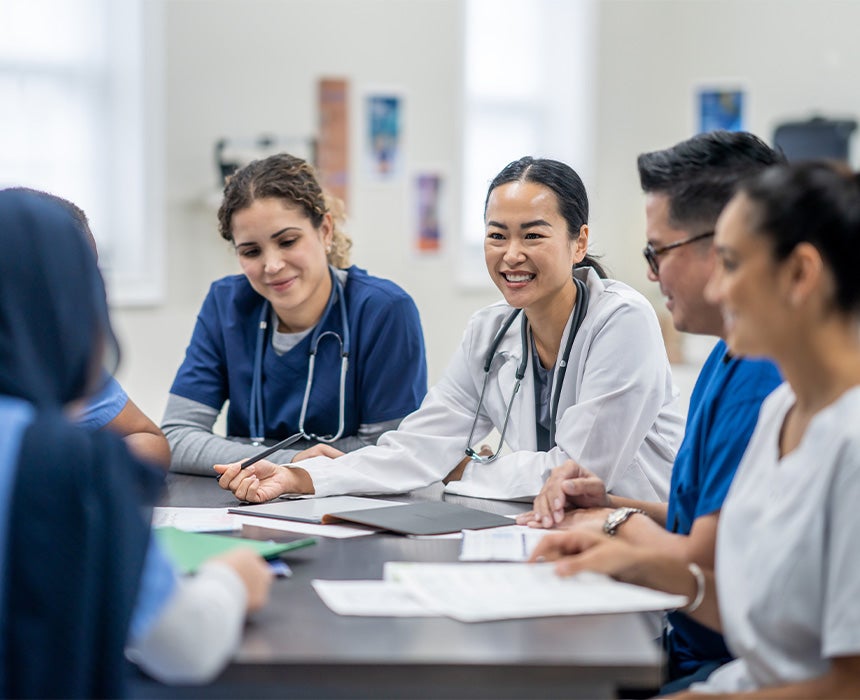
(188, 550)
(421, 518)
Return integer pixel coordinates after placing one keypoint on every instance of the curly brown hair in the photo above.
(290, 178)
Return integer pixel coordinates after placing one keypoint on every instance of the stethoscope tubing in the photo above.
(579, 312)
(256, 403)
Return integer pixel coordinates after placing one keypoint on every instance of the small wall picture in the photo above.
(383, 136)
(721, 109)
(427, 194)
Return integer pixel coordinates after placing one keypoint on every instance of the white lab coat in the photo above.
(618, 412)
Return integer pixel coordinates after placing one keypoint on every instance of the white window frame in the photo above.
(551, 99)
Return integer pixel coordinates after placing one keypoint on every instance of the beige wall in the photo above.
(241, 67)
(791, 56)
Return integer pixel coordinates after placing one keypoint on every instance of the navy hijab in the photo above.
(75, 523)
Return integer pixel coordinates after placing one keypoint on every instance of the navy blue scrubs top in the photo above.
(386, 379)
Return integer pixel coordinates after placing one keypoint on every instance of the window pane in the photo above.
(49, 139)
(53, 31)
(494, 138)
(503, 49)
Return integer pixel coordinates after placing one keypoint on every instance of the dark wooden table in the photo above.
(297, 648)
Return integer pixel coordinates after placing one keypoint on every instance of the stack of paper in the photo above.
(480, 592)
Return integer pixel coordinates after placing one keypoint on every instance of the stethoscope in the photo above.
(579, 311)
(256, 408)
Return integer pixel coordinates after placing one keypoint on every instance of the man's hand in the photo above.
(568, 486)
(262, 481)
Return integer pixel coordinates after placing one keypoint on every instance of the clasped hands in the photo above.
(571, 497)
(575, 500)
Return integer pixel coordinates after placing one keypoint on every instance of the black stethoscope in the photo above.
(255, 418)
(579, 311)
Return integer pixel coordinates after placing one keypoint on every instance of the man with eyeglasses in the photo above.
(686, 188)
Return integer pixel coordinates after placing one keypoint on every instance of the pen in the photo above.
(286, 442)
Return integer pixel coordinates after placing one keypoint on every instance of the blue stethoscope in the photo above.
(256, 408)
(579, 310)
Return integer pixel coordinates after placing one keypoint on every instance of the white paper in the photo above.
(478, 592)
(370, 599)
(334, 531)
(511, 543)
(195, 519)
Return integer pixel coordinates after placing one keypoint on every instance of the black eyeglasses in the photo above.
(652, 254)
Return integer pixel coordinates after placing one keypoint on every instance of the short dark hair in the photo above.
(700, 175)
(564, 182)
(816, 202)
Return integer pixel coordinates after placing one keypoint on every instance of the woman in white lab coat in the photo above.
(569, 366)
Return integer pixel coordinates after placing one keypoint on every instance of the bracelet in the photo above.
(699, 575)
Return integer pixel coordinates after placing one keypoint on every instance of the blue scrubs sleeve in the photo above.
(156, 587)
(202, 376)
(15, 415)
(102, 408)
(727, 443)
(724, 412)
(393, 367)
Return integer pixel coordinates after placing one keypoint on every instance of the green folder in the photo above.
(188, 550)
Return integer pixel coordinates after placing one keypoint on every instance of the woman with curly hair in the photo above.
(301, 344)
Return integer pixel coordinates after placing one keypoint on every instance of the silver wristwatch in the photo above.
(617, 518)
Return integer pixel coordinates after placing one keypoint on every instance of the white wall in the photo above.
(793, 57)
(242, 67)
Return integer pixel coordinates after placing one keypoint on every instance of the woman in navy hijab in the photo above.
(74, 520)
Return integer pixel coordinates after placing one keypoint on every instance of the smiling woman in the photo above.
(788, 249)
(553, 368)
(299, 343)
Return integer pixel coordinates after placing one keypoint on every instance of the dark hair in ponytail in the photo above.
(568, 189)
(816, 202)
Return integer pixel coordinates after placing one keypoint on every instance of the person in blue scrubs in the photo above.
(686, 188)
(76, 498)
(75, 530)
(111, 407)
(255, 333)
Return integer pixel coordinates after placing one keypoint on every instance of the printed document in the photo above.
(482, 592)
(511, 543)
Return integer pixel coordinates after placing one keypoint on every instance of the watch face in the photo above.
(617, 517)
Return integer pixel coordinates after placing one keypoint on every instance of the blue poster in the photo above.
(383, 135)
(721, 109)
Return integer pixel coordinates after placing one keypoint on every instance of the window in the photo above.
(73, 124)
(528, 67)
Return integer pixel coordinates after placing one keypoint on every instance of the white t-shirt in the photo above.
(788, 550)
